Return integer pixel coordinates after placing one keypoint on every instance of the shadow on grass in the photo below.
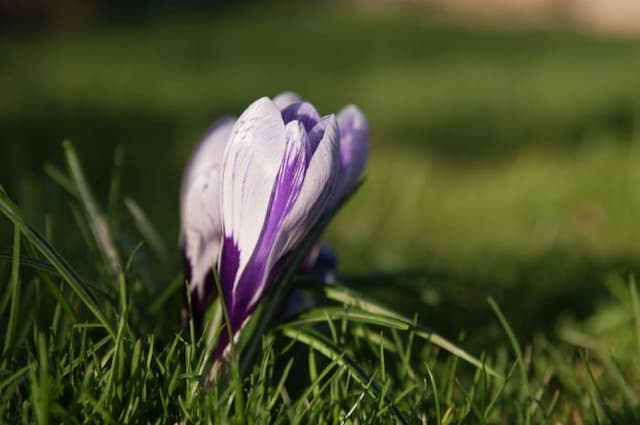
(534, 294)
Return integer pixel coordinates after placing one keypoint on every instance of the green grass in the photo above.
(98, 358)
(504, 165)
(75, 352)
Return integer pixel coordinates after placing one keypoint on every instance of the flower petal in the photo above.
(251, 164)
(317, 132)
(354, 148)
(301, 111)
(201, 224)
(285, 99)
(317, 189)
(255, 278)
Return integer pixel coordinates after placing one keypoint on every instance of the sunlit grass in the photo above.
(587, 200)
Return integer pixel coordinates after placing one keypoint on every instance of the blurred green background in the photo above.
(504, 160)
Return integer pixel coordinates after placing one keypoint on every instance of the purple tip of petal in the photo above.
(351, 118)
(353, 130)
(317, 132)
(354, 147)
(303, 112)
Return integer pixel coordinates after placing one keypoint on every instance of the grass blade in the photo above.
(522, 367)
(633, 290)
(40, 265)
(41, 390)
(146, 229)
(83, 291)
(325, 347)
(114, 187)
(376, 312)
(434, 388)
(235, 370)
(98, 223)
(14, 287)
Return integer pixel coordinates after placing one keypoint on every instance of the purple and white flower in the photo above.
(254, 189)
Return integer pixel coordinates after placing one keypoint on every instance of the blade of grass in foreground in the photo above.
(522, 367)
(14, 287)
(381, 315)
(42, 266)
(83, 291)
(33, 263)
(324, 346)
(235, 368)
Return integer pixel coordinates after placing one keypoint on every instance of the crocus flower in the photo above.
(255, 188)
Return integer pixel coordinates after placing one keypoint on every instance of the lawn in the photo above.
(504, 165)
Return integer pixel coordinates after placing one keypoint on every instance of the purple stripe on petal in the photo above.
(229, 261)
(228, 268)
(303, 112)
(242, 294)
(238, 317)
(255, 276)
(250, 168)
